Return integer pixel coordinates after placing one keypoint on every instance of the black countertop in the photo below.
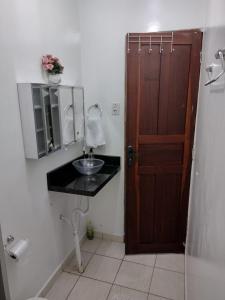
(66, 179)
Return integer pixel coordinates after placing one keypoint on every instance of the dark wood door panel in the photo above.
(161, 169)
(146, 210)
(156, 154)
(132, 79)
(149, 90)
(167, 208)
(173, 89)
(162, 139)
(159, 208)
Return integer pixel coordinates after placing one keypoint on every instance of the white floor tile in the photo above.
(102, 268)
(62, 287)
(134, 276)
(111, 249)
(144, 259)
(122, 293)
(91, 245)
(89, 289)
(71, 267)
(174, 262)
(167, 284)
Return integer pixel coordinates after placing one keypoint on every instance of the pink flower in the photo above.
(49, 66)
(44, 60)
(45, 67)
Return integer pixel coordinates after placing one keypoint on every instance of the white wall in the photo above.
(205, 263)
(29, 29)
(104, 25)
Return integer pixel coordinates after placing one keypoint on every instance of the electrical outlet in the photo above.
(116, 109)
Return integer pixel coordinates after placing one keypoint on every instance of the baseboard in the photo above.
(48, 285)
(110, 237)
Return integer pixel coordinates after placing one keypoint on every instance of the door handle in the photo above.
(130, 155)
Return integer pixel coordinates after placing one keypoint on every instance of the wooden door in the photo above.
(162, 77)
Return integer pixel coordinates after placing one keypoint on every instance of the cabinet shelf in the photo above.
(37, 107)
(40, 129)
(54, 105)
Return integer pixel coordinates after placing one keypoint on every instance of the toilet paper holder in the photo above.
(17, 249)
(10, 238)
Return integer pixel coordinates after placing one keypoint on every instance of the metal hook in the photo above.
(171, 45)
(128, 42)
(96, 106)
(139, 44)
(150, 44)
(161, 45)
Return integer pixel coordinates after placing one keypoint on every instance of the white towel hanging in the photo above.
(68, 130)
(94, 128)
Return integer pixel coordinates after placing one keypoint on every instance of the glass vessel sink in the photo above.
(88, 166)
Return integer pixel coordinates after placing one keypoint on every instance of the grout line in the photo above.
(108, 256)
(152, 273)
(112, 283)
(115, 278)
(133, 262)
(91, 279)
(72, 288)
(109, 292)
(86, 276)
(132, 289)
(117, 271)
(129, 288)
(95, 253)
(142, 264)
(96, 279)
(164, 269)
(160, 296)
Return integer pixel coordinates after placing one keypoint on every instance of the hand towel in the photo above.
(79, 118)
(68, 130)
(94, 132)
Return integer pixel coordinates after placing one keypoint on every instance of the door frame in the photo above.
(131, 234)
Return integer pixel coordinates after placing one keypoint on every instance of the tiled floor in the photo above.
(110, 275)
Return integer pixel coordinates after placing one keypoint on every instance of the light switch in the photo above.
(116, 109)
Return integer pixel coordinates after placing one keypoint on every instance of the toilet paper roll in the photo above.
(18, 249)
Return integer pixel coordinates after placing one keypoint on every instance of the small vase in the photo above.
(54, 78)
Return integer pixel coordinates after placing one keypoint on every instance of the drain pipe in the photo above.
(76, 214)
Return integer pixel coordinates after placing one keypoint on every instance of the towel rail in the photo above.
(95, 106)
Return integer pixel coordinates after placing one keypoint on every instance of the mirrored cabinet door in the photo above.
(39, 118)
(55, 118)
(51, 117)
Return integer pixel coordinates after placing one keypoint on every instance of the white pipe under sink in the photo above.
(75, 223)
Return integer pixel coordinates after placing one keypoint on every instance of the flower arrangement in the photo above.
(52, 65)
